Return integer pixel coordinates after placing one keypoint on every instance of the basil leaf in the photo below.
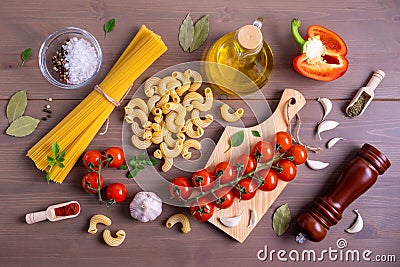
(16, 106)
(186, 33)
(236, 140)
(25, 55)
(109, 26)
(55, 148)
(200, 33)
(281, 219)
(255, 133)
(22, 126)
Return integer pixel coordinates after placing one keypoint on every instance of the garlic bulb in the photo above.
(316, 165)
(326, 126)
(326, 104)
(145, 206)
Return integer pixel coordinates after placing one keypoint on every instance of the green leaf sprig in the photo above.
(139, 162)
(236, 140)
(56, 160)
(25, 55)
(192, 36)
(281, 219)
(109, 26)
(255, 133)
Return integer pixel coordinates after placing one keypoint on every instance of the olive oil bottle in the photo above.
(244, 51)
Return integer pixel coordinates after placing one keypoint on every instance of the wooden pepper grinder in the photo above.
(356, 178)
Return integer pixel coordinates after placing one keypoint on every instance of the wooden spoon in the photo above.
(49, 214)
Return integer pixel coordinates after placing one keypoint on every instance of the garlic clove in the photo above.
(231, 222)
(326, 104)
(316, 165)
(326, 126)
(357, 226)
(253, 218)
(333, 141)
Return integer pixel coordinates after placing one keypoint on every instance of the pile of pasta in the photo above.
(171, 117)
(79, 127)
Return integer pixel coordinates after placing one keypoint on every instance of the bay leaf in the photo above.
(186, 32)
(281, 219)
(25, 55)
(22, 126)
(109, 26)
(16, 106)
(200, 33)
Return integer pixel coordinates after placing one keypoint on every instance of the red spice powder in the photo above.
(70, 209)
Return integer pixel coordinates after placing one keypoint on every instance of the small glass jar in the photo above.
(53, 43)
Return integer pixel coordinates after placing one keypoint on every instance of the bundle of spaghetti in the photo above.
(80, 126)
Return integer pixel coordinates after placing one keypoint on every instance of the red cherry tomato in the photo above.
(202, 210)
(245, 189)
(115, 157)
(180, 188)
(268, 179)
(203, 178)
(225, 172)
(116, 192)
(224, 198)
(248, 162)
(284, 140)
(286, 170)
(90, 182)
(91, 160)
(299, 154)
(263, 151)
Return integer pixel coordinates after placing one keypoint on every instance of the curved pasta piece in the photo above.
(157, 154)
(136, 103)
(151, 103)
(157, 138)
(168, 163)
(147, 135)
(208, 102)
(189, 98)
(96, 219)
(155, 127)
(139, 143)
(136, 129)
(174, 152)
(137, 113)
(187, 144)
(196, 77)
(114, 241)
(151, 86)
(179, 218)
(162, 85)
(203, 123)
(231, 117)
(170, 122)
(179, 109)
(169, 140)
(173, 84)
(164, 99)
(191, 132)
(175, 97)
(184, 80)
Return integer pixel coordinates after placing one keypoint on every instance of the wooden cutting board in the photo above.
(262, 200)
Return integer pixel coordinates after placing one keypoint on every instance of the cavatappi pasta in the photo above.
(79, 127)
(174, 104)
(179, 218)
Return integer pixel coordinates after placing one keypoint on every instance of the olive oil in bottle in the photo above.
(245, 51)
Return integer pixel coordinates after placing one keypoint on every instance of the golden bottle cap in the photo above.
(250, 37)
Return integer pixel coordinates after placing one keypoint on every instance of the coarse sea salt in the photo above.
(81, 60)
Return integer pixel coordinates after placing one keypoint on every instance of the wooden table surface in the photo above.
(371, 30)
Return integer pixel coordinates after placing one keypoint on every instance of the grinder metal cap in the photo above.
(249, 37)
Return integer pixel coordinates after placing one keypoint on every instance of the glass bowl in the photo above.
(53, 43)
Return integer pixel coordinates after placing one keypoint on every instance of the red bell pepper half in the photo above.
(323, 54)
